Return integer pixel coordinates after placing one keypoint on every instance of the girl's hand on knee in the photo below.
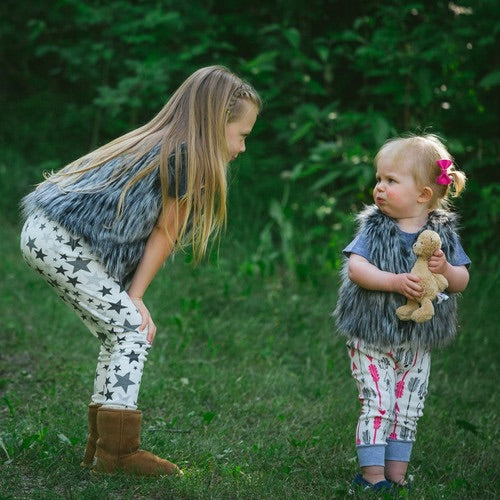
(147, 320)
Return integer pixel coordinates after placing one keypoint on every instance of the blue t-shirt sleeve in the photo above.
(359, 246)
(460, 258)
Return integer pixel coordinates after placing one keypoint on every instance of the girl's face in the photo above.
(396, 193)
(238, 130)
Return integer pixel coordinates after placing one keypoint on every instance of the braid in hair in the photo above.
(243, 92)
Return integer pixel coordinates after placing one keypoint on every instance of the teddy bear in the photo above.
(420, 310)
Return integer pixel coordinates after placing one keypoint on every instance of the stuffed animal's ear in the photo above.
(433, 238)
(437, 240)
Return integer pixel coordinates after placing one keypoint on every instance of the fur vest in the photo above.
(92, 214)
(371, 315)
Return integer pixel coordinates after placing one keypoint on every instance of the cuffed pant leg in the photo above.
(399, 451)
(371, 455)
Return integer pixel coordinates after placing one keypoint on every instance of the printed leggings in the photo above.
(67, 264)
(392, 388)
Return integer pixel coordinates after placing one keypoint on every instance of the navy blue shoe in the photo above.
(359, 482)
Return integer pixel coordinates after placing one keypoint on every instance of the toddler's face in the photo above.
(395, 192)
(237, 131)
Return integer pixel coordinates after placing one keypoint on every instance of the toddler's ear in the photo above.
(425, 194)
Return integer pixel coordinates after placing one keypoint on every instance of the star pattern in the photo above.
(74, 281)
(105, 291)
(79, 264)
(102, 337)
(60, 270)
(73, 243)
(123, 381)
(130, 326)
(31, 243)
(132, 356)
(116, 306)
(40, 255)
(98, 299)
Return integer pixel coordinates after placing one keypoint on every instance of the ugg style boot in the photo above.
(118, 446)
(88, 457)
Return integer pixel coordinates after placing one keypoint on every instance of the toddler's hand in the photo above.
(437, 263)
(408, 285)
(147, 320)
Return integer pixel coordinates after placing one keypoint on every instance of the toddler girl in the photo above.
(390, 359)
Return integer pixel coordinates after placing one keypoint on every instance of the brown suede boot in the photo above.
(88, 457)
(118, 446)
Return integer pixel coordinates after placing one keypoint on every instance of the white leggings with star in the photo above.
(392, 387)
(67, 264)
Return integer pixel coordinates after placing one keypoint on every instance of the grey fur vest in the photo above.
(92, 214)
(370, 315)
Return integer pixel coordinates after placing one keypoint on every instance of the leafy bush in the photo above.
(337, 81)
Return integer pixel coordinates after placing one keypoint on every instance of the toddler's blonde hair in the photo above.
(421, 153)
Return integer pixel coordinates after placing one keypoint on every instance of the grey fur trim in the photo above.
(369, 315)
(91, 214)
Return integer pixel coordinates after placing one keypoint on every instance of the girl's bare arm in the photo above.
(158, 248)
(368, 276)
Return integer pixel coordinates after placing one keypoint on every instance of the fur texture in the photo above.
(92, 214)
(370, 315)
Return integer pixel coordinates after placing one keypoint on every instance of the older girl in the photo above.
(99, 230)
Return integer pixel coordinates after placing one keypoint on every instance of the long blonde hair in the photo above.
(421, 153)
(194, 121)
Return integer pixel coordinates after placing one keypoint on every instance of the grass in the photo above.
(247, 389)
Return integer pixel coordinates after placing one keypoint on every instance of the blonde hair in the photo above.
(193, 120)
(421, 153)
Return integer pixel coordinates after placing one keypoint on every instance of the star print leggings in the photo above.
(67, 264)
(392, 387)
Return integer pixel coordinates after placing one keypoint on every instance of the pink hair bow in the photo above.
(443, 178)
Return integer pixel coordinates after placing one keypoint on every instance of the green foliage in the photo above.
(399, 67)
(337, 80)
